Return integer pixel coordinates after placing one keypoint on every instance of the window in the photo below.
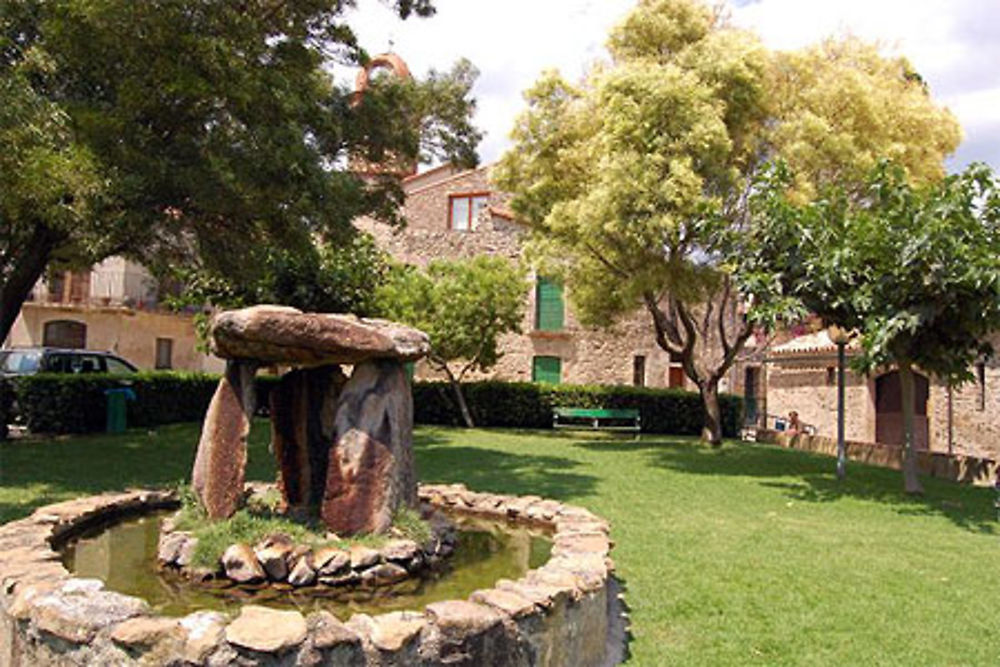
(831, 376)
(65, 333)
(546, 369)
(548, 305)
(164, 353)
(18, 362)
(639, 371)
(74, 363)
(56, 285)
(464, 209)
(118, 367)
(87, 363)
(675, 374)
(981, 381)
(79, 286)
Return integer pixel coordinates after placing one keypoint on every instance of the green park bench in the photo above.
(597, 418)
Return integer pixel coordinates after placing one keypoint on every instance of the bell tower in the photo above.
(393, 164)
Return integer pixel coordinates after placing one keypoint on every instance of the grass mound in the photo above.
(262, 518)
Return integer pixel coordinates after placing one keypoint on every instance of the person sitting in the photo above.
(794, 425)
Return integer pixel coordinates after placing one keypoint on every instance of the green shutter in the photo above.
(546, 369)
(410, 368)
(548, 305)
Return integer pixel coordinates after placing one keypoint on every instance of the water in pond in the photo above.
(124, 557)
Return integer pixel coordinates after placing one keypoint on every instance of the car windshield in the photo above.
(20, 361)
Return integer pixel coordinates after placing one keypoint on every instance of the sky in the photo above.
(953, 44)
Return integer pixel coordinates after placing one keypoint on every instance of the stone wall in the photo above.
(807, 386)
(566, 612)
(975, 413)
(804, 386)
(588, 356)
(954, 467)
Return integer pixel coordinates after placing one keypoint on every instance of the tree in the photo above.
(637, 180)
(324, 278)
(915, 269)
(49, 187)
(208, 130)
(464, 306)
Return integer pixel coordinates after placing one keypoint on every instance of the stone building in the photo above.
(801, 375)
(114, 306)
(454, 214)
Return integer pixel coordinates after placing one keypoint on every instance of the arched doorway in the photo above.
(65, 333)
(889, 410)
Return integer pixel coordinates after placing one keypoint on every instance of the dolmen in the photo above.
(344, 444)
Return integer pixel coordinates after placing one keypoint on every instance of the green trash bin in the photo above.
(117, 408)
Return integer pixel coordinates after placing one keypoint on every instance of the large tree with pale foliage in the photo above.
(637, 178)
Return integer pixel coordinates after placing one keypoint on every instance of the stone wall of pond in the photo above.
(566, 612)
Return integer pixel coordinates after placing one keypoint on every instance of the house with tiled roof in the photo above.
(801, 375)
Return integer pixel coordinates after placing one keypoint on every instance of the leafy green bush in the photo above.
(62, 403)
(528, 405)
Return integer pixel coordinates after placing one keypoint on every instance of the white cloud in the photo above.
(954, 44)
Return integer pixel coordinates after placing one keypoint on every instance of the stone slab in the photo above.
(281, 335)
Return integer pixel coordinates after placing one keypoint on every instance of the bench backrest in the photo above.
(597, 413)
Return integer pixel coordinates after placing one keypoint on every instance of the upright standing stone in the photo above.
(303, 408)
(220, 463)
(371, 472)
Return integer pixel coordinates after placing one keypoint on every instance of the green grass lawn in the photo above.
(742, 555)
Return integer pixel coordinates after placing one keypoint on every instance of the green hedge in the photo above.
(64, 403)
(58, 403)
(528, 405)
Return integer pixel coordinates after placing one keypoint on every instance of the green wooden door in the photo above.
(546, 369)
(548, 305)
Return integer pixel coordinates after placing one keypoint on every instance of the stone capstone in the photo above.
(220, 463)
(280, 335)
(267, 630)
(371, 472)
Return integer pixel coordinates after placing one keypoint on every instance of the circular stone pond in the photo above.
(530, 583)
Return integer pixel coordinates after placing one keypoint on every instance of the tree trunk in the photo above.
(911, 481)
(28, 266)
(459, 396)
(711, 432)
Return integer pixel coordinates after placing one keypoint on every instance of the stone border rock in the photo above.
(279, 560)
(563, 613)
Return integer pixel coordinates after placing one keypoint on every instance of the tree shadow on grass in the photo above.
(440, 460)
(809, 477)
(37, 472)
